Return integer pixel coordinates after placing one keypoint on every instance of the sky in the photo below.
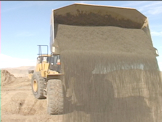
(26, 24)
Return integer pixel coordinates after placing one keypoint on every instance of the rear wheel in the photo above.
(55, 97)
(37, 83)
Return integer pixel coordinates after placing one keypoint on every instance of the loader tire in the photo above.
(37, 83)
(55, 97)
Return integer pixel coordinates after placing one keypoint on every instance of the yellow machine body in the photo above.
(43, 68)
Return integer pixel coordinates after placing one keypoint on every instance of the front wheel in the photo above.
(37, 83)
(55, 97)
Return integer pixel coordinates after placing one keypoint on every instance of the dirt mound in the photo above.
(6, 77)
(19, 105)
(21, 102)
(20, 71)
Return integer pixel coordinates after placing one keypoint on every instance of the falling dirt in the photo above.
(111, 74)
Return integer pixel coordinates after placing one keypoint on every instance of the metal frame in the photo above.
(40, 50)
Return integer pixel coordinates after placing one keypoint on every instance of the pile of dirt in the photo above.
(6, 77)
(20, 71)
(22, 103)
(111, 73)
(18, 103)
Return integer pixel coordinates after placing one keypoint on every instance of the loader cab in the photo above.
(55, 63)
(43, 58)
(52, 61)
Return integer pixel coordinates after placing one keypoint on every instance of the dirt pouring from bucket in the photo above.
(111, 74)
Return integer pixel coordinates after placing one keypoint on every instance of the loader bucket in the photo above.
(95, 15)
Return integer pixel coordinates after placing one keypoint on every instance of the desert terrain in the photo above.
(17, 101)
(20, 71)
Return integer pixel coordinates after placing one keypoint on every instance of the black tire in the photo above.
(38, 81)
(55, 97)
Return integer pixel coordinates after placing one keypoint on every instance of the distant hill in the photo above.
(20, 71)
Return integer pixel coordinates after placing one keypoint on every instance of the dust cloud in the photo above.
(111, 74)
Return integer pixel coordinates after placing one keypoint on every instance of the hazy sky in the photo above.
(26, 24)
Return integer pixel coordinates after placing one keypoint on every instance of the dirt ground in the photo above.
(18, 103)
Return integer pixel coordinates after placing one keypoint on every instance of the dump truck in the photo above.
(47, 80)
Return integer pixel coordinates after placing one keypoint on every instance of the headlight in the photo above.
(156, 51)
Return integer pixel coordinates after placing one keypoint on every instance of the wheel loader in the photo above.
(47, 80)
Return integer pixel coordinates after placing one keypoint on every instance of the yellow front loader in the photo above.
(47, 70)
